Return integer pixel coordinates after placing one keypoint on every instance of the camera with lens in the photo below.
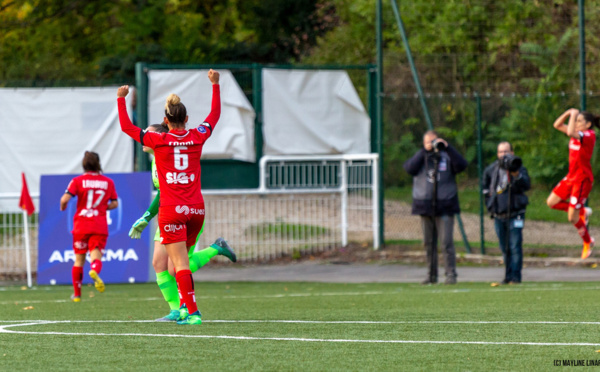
(511, 163)
(438, 145)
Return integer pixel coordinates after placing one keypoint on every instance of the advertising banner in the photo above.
(125, 260)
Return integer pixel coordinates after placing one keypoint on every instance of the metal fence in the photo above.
(303, 205)
(13, 259)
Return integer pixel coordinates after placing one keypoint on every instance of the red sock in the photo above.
(97, 266)
(77, 275)
(185, 285)
(561, 206)
(583, 231)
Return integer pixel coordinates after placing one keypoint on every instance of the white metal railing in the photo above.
(14, 257)
(303, 204)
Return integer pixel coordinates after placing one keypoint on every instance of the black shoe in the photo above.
(450, 280)
(514, 282)
(429, 281)
(503, 282)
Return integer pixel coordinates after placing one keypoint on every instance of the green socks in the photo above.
(168, 286)
(201, 258)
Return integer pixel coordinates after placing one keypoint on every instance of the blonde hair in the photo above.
(175, 111)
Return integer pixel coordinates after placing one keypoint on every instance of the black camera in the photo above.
(438, 145)
(511, 162)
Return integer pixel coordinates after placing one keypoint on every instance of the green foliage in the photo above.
(100, 41)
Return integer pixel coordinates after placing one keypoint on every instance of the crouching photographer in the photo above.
(504, 185)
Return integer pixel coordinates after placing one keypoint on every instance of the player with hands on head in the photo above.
(95, 195)
(181, 211)
(160, 260)
(571, 193)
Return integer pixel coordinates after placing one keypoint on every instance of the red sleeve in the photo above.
(215, 108)
(126, 125)
(72, 188)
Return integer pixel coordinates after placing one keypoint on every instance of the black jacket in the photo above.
(496, 199)
(421, 167)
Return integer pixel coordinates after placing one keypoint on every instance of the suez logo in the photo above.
(110, 255)
(184, 209)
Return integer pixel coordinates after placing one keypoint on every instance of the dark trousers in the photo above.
(512, 230)
(441, 227)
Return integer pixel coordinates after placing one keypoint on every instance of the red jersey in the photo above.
(177, 154)
(580, 156)
(93, 192)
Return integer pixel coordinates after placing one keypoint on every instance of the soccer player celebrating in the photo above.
(160, 260)
(95, 195)
(572, 191)
(181, 210)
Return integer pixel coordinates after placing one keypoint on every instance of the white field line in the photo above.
(43, 321)
(4, 330)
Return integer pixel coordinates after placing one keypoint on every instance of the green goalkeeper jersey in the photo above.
(155, 174)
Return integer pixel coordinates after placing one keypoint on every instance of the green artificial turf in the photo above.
(304, 327)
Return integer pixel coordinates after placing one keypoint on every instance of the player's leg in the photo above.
(577, 215)
(166, 282)
(559, 195)
(96, 246)
(77, 276)
(80, 248)
(185, 283)
(202, 257)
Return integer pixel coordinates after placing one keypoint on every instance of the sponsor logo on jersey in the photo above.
(89, 213)
(182, 209)
(80, 245)
(173, 228)
(179, 178)
(201, 129)
(574, 146)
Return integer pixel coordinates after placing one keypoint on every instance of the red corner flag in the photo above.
(25, 202)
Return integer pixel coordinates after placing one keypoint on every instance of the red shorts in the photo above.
(180, 223)
(88, 242)
(574, 191)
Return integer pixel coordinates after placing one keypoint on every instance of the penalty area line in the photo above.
(4, 330)
(296, 339)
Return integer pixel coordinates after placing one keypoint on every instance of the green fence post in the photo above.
(582, 77)
(141, 82)
(257, 103)
(480, 173)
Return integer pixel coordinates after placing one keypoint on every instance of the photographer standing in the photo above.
(504, 185)
(435, 199)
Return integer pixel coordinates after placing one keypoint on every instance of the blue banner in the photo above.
(125, 260)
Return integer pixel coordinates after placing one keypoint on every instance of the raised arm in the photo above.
(126, 125)
(572, 126)
(559, 123)
(215, 107)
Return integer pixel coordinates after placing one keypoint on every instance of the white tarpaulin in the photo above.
(313, 112)
(47, 131)
(234, 135)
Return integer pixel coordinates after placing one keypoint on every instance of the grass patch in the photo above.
(472, 326)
